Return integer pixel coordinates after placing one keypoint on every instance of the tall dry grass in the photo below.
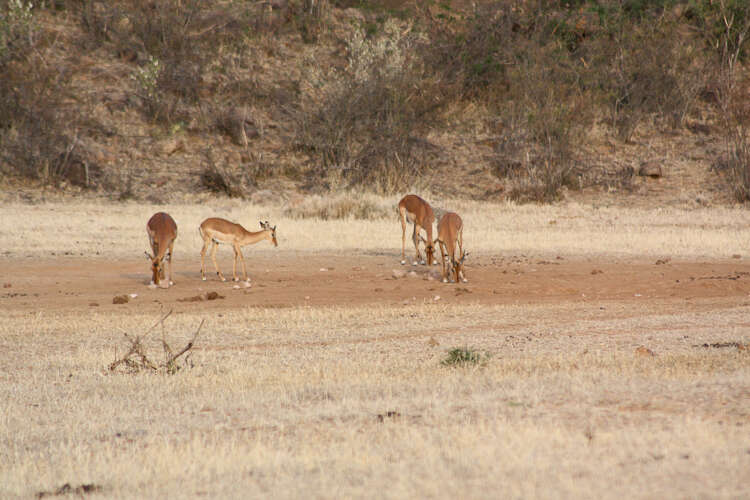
(322, 225)
(295, 402)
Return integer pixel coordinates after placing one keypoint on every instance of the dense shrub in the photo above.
(365, 124)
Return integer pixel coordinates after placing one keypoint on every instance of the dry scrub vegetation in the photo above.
(538, 97)
(357, 403)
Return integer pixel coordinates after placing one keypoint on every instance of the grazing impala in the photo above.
(162, 231)
(450, 233)
(419, 212)
(215, 231)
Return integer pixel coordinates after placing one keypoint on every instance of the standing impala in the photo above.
(215, 231)
(162, 231)
(450, 233)
(419, 212)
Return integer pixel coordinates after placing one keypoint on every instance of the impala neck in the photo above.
(249, 237)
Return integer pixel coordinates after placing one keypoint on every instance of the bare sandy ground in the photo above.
(289, 279)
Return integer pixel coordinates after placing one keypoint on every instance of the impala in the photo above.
(162, 231)
(418, 212)
(215, 231)
(450, 233)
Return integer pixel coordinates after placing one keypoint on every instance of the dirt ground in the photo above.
(290, 279)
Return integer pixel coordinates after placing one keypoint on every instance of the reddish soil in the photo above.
(288, 279)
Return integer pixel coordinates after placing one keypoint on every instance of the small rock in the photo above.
(170, 146)
(597, 271)
(432, 342)
(213, 296)
(397, 274)
(412, 274)
(133, 295)
(650, 169)
(644, 351)
(436, 298)
(120, 299)
(93, 304)
(660, 262)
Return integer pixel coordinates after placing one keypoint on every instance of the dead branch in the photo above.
(136, 358)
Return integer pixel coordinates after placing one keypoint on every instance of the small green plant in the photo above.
(465, 356)
(147, 78)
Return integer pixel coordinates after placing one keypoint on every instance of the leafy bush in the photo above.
(365, 123)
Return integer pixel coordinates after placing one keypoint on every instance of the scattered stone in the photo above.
(170, 146)
(93, 304)
(436, 298)
(644, 351)
(651, 169)
(388, 414)
(132, 295)
(68, 490)
(202, 297)
(397, 274)
(597, 271)
(662, 261)
(432, 342)
(120, 299)
(412, 274)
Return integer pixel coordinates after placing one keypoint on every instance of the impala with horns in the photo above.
(162, 231)
(418, 212)
(215, 231)
(450, 235)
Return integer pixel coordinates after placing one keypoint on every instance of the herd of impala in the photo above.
(162, 232)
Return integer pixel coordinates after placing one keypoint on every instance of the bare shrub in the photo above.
(39, 119)
(647, 68)
(136, 358)
(365, 123)
(219, 177)
(733, 89)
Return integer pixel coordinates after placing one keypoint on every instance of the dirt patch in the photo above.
(295, 281)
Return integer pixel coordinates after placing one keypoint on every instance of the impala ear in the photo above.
(148, 255)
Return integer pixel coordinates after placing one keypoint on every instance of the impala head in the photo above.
(429, 250)
(157, 267)
(458, 266)
(267, 227)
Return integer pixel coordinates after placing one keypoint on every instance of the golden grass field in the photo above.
(347, 397)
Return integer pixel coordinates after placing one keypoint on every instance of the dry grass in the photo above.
(117, 230)
(295, 403)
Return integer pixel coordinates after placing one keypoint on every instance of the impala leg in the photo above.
(234, 263)
(203, 259)
(442, 260)
(415, 239)
(402, 215)
(213, 258)
(171, 249)
(242, 259)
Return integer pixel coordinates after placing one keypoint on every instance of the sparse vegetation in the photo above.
(364, 95)
(464, 356)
